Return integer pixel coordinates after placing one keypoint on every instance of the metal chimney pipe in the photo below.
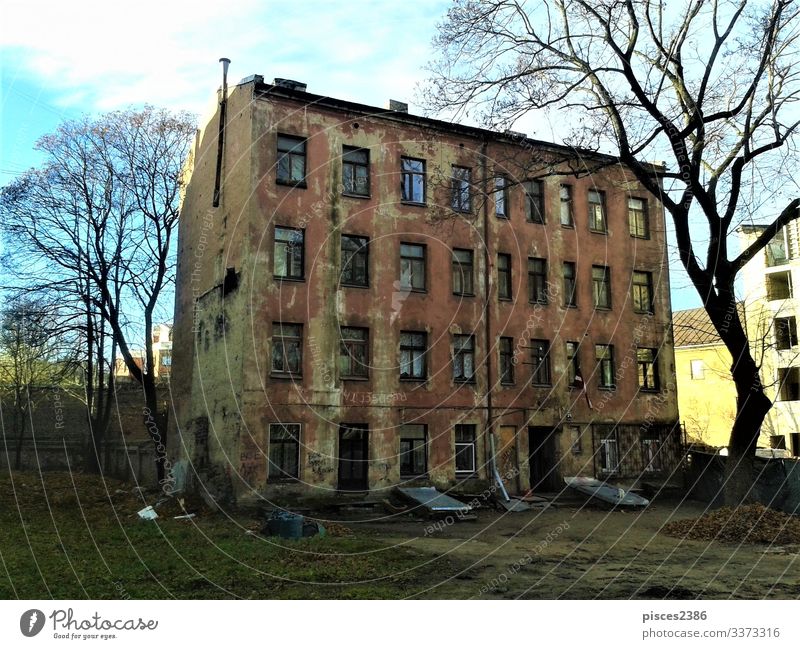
(223, 109)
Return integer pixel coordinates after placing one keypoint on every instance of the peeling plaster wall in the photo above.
(231, 383)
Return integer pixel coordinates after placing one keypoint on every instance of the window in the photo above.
(354, 352)
(568, 272)
(609, 457)
(575, 439)
(463, 276)
(785, 332)
(284, 451)
(506, 347)
(647, 366)
(413, 445)
(412, 180)
(652, 459)
(288, 253)
(465, 448)
(637, 218)
(642, 291)
(565, 194)
(355, 261)
(776, 249)
(794, 439)
(601, 287)
(287, 349)
(597, 211)
(166, 360)
(540, 359)
(355, 171)
(777, 441)
(604, 354)
(574, 364)
(503, 276)
(412, 266)
(461, 185)
(291, 160)
(789, 380)
(501, 197)
(464, 358)
(413, 348)
(697, 370)
(537, 280)
(534, 201)
(779, 286)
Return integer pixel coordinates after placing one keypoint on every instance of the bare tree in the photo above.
(711, 85)
(33, 358)
(98, 221)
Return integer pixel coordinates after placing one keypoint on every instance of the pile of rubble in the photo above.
(745, 524)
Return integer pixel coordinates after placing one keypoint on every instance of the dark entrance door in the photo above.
(353, 457)
(542, 449)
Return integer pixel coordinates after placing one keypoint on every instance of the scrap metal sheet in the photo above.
(431, 498)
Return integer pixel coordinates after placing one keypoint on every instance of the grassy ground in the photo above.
(72, 537)
(68, 537)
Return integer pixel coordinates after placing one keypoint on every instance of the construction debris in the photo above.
(148, 513)
(746, 524)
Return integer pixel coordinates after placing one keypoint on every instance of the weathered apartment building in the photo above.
(367, 297)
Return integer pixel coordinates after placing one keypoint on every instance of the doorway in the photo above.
(353, 457)
(542, 448)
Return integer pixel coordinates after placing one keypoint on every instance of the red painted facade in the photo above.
(226, 330)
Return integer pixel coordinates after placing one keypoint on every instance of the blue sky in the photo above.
(61, 59)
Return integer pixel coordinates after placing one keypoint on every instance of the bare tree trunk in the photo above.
(91, 464)
(752, 404)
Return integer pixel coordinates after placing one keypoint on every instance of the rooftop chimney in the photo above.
(398, 106)
(291, 84)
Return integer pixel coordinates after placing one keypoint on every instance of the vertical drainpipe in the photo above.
(488, 445)
(223, 109)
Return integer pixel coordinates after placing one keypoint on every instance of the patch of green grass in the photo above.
(76, 536)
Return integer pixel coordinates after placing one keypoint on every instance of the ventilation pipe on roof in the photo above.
(223, 109)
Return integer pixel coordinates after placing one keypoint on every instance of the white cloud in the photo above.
(104, 55)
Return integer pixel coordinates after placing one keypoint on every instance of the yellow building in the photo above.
(706, 394)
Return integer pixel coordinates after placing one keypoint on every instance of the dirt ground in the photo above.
(581, 552)
(68, 536)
